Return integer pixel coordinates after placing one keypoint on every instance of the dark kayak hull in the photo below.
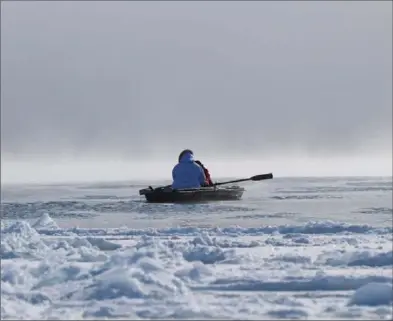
(204, 194)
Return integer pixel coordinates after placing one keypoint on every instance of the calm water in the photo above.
(360, 200)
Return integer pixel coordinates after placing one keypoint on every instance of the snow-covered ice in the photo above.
(291, 249)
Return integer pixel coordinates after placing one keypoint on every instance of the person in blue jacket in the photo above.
(187, 173)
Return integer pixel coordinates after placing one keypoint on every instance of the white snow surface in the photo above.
(298, 248)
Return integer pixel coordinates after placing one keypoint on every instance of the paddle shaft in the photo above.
(234, 181)
(253, 178)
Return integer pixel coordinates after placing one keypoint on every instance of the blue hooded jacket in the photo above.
(187, 173)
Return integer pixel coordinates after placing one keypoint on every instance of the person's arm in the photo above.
(202, 177)
(174, 173)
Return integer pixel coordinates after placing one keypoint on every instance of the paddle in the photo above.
(253, 178)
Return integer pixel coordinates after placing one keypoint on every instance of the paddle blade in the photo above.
(261, 177)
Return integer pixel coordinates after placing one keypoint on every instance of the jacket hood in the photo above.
(183, 152)
(187, 157)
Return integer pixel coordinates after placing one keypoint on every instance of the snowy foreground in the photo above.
(305, 271)
(292, 248)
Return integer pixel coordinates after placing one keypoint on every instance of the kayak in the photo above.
(165, 194)
(203, 194)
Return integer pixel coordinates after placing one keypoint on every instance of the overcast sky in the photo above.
(133, 79)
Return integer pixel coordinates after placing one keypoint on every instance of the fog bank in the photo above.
(86, 85)
(90, 170)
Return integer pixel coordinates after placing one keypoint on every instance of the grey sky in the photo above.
(133, 79)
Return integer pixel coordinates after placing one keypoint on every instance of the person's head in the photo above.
(186, 151)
